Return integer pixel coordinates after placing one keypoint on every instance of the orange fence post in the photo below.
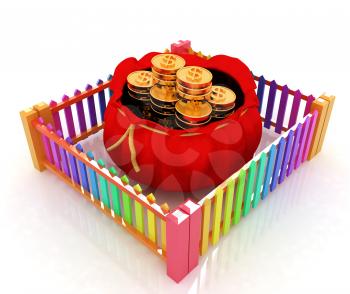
(33, 137)
(324, 106)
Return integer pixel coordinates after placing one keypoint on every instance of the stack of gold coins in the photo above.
(190, 114)
(193, 87)
(163, 94)
(139, 84)
(222, 100)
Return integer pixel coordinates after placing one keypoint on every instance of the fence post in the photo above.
(33, 137)
(324, 106)
(177, 242)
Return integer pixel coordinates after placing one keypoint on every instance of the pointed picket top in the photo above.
(124, 180)
(101, 163)
(273, 85)
(90, 155)
(285, 89)
(137, 188)
(262, 79)
(109, 78)
(59, 133)
(297, 93)
(151, 198)
(112, 170)
(65, 97)
(69, 140)
(88, 87)
(77, 92)
(79, 147)
(99, 82)
(52, 103)
(50, 127)
(165, 207)
(41, 120)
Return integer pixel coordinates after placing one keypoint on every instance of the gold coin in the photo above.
(193, 109)
(138, 90)
(141, 79)
(193, 91)
(164, 93)
(141, 97)
(167, 63)
(222, 97)
(163, 77)
(165, 83)
(186, 125)
(194, 77)
(193, 97)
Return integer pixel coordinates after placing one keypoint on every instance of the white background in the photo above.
(52, 241)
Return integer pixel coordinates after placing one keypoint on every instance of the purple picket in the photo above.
(282, 109)
(56, 116)
(286, 156)
(260, 92)
(101, 100)
(91, 106)
(55, 150)
(46, 142)
(310, 135)
(270, 104)
(302, 142)
(69, 118)
(294, 150)
(278, 163)
(63, 153)
(73, 163)
(295, 109)
(81, 113)
(309, 101)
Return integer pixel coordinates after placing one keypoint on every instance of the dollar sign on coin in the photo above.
(144, 78)
(218, 94)
(194, 74)
(168, 61)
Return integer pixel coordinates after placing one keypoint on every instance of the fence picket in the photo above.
(103, 186)
(270, 104)
(73, 163)
(294, 150)
(91, 106)
(127, 206)
(63, 153)
(93, 178)
(282, 109)
(217, 216)
(228, 206)
(69, 118)
(151, 225)
(310, 135)
(269, 169)
(309, 101)
(249, 188)
(115, 193)
(295, 109)
(278, 163)
(82, 169)
(259, 179)
(206, 209)
(46, 142)
(260, 92)
(286, 156)
(56, 116)
(101, 100)
(239, 197)
(80, 112)
(304, 132)
(55, 150)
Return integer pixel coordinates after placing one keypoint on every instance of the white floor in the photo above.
(53, 241)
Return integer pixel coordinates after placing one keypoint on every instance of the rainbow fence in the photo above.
(181, 235)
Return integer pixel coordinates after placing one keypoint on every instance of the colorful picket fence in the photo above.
(181, 235)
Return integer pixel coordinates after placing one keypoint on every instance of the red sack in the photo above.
(183, 160)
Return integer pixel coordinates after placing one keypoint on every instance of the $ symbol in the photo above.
(218, 94)
(143, 78)
(194, 74)
(168, 61)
